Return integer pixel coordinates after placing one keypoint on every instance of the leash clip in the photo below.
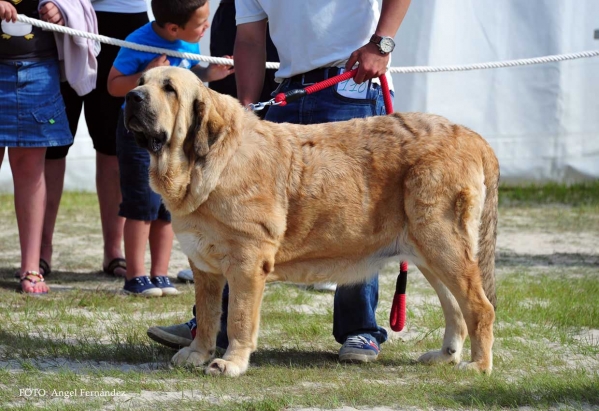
(261, 105)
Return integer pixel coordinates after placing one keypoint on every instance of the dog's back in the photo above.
(356, 183)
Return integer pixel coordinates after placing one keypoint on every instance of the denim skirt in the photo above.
(32, 112)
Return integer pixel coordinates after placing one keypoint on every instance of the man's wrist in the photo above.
(385, 44)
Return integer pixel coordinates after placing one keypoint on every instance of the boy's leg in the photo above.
(136, 234)
(161, 245)
(137, 209)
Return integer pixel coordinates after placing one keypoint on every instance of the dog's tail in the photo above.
(488, 225)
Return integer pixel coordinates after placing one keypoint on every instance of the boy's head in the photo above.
(185, 19)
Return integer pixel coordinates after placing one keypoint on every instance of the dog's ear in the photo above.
(203, 131)
(193, 132)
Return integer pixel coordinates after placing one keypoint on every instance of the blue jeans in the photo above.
(354, 307)
(139, 202)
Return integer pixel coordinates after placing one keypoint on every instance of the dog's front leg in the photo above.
(209, 291)
(246, 287)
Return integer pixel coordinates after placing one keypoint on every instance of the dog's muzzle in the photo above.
(141, 122)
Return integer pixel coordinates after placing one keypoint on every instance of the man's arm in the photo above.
(371, 62)
(250, 59)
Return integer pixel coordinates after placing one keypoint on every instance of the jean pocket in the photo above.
(359, 94)
(48, 113)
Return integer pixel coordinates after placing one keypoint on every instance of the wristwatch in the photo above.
(384, 43)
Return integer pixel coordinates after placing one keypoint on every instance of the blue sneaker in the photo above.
(164, 283)
(141, 286)
(359, 348)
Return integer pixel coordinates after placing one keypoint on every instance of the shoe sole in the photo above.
(325, 288)
(184, 279)
(166, 339)
(357, 358)
(170, 291)
(147, 293)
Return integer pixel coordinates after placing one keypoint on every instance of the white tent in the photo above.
(542, 121)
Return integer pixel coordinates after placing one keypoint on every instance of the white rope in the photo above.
(218, 60)
(496, 64)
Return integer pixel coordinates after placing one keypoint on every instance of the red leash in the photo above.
(397, 317)
(282, 99)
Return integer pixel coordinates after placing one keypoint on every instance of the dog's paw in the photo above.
(474, 366)
(189, 358)
(439, 357)
(222, 367)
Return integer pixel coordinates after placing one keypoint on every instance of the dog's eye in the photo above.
(168, 88)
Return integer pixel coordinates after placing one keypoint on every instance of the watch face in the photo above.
(387, 45)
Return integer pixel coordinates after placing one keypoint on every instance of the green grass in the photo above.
(581, 194)
(85, 336)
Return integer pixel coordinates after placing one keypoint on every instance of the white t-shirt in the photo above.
(120, 6)
(309, 34)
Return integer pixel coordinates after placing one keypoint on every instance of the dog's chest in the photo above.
(199, 250)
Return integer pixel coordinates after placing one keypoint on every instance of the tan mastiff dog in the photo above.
(254, 201)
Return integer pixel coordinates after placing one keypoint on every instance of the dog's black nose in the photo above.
(135, 96)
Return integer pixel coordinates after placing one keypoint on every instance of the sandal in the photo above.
(114, 265)
(33, 277)
(45, 267)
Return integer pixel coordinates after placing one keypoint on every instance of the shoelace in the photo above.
(357, 341)
(191, 323)
(143, 280)
(163, 280)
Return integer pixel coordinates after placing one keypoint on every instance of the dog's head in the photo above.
(167, 109)
(178, 120)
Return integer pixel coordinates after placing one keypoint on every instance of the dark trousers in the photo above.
(222, 42)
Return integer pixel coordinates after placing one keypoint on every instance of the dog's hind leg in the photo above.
(455, 327)
(444, 221)
(479, 315)
(208, 293)
(463, 278)
(247, 280)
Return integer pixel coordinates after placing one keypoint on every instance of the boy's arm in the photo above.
(119, 84)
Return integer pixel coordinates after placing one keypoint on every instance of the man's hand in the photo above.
(157, 62)
(371, 63)
(51, 14)
(8, 11)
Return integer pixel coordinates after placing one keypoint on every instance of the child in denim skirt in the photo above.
(32, 118)
(179, 25)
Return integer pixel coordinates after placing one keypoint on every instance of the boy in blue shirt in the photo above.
(179, 25)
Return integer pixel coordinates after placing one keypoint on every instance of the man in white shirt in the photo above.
(318, 39)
